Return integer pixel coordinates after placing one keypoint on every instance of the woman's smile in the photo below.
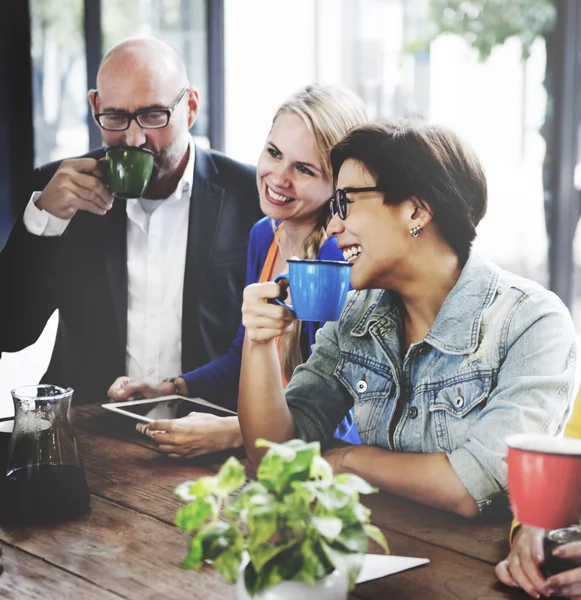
(351, 253)
(276, 198)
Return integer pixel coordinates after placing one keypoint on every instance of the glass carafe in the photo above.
(45, 480)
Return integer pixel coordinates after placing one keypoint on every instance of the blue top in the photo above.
(217, 381)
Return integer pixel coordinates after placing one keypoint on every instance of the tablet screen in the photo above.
(165, 408)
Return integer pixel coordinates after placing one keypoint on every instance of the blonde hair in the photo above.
(329, 112)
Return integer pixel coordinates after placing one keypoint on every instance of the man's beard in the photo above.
(166, 162)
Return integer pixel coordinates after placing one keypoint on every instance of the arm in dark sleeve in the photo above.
(27, 298)
(218, 380)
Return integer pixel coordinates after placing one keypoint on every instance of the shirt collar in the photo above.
(187, 180)
(456, 329)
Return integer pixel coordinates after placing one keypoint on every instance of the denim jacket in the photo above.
(499, 359)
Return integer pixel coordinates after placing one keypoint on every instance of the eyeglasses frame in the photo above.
(338, 206)
(133, 116)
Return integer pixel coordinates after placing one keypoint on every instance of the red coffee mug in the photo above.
(544, 479)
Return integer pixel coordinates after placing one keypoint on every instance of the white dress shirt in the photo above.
(157, 232)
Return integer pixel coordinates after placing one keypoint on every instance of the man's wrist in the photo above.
(233, 424)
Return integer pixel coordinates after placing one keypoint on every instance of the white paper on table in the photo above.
(381, 565)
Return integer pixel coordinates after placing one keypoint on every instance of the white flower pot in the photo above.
(332, 587)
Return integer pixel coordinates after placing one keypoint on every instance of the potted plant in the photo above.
(297, 524)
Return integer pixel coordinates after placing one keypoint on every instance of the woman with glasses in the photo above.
(294, 179)
(440, 352)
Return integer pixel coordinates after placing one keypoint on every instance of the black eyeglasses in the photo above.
(149, 118)
(339, 201)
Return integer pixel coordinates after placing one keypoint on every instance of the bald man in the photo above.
(147, 287)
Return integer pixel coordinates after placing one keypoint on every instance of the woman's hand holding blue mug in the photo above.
(263, 319)
(319, 291)
(318, 287)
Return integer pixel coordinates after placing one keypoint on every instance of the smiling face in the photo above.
(289, 174)
(375, 236)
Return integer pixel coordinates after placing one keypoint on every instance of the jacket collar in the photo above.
(456, 329)
(205, 209)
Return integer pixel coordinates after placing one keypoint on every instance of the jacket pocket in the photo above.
(370, 384)
(455, 405)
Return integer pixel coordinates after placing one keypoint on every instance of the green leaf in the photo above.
(332, 499)
(283, 567)
(302, 493)
(376, 535)
(361, 513)
(228, 563)
(216, 538)
(183, 491)
(193, 560)
(262, 524)
(203, 486)
(250, 579)
(347, 482)
(269, 472)
(264, 553)
(345, 562)
(252, 493)
(315, 563)
(193, 514)
(284, 451)
(296, 504)
(328, 527)
(321, 469)
(285, 463)
(230, 477)
(352, 539)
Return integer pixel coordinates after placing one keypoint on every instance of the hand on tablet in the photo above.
(195, 435)
(142, 428)
(125, 388)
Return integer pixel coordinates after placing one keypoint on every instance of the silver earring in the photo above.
(415, 231)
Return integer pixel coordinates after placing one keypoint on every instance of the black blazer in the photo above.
(83, 273)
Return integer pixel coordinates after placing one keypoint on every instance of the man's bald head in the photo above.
(144, 54)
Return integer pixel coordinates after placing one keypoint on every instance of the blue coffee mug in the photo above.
(318, 287)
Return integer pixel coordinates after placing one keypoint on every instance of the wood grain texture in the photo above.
(473, 537)
(130, 465)
(30, 578)
(122, 551)
(448, 575)
(127, 546)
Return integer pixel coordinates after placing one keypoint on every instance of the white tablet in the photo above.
(165, 407)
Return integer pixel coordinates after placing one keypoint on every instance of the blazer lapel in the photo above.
(114, 236)
(205, 208)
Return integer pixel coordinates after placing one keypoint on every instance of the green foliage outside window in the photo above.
(485, 24)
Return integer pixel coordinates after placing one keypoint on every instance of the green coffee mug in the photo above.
(128, 170)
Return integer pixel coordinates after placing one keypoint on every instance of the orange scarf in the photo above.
(266, 275)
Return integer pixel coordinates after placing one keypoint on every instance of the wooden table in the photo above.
(127, 546)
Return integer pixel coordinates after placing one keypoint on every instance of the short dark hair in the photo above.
(413, 159)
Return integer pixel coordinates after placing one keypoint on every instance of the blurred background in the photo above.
(505, 74)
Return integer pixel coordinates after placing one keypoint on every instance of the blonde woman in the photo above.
(294, 178)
